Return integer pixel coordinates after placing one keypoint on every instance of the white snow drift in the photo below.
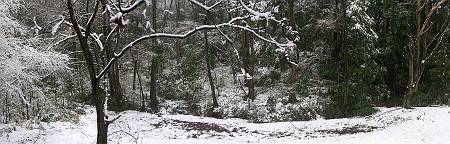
(427, 125)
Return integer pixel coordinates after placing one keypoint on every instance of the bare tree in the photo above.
(423, 48)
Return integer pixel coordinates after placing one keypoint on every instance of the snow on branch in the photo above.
(244, 74)
(255, 13)
(231, 24)
(281, 47)
(63, 40)
(57, 25)
(94, 36)
(38, 28)
(92, 18)
(134, 6)
(161, 35)
(207, 8)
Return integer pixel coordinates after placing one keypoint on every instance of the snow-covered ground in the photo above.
(426, 125)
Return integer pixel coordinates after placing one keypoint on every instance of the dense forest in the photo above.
(259, 60)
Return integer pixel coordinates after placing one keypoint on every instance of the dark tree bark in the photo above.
(248, 58)
(179, 51)
(7, 114)
(4, 111)
(138, 76)
(293, 24)
(115, 89)
(87, 5)
(143, 97)
(178, 7)
(156, 62)
(115, 101)
(342, 99)
(209, 64)
(134, 73)
(102, 126)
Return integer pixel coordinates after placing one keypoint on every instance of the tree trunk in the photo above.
(248, 57)
(414, 58)
(292, 23)
(115, 101)
(138, 76)
(6, 109)
(345, 49)
(102, 127)
(342, 98)
(410, 85)
(134, 73)
(209, 60)
(142, 91)
(178, 7)
(27, 108)
(87, 6)
(155, 64)
(179, 51)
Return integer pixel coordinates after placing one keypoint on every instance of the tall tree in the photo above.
(156, 62)
(115, 101)
(102, 124)
(424, 45)
(209, 63)
(248, 63)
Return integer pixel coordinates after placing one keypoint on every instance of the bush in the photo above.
(275, 109)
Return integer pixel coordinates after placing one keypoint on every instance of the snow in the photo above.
(23, 62)
(56, 26)
(244, 74)
(135, 4)
(424, 125)
(207, 8)
(255, 13)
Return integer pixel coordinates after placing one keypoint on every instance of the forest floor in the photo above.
(424, 125)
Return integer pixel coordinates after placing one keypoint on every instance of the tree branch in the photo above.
(132, 7)
(75, 25)
(111, 121)
(92, 18)
(182, 36)
(432, 11)
(207, 8)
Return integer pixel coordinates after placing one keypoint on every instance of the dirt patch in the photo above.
(200, 126)
(349, 130)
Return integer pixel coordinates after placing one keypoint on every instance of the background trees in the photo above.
(266, 61)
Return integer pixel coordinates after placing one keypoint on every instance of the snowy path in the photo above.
(430, 125)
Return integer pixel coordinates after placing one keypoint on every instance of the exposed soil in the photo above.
(349, 130)
(200, 126)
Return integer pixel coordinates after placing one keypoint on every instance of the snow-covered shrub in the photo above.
(272, 105)
(275, 110)
(239, 108)
(280, 109)
(180, 79)
(267, 76)
(180, 82)
(25, 63)
(183, 90)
